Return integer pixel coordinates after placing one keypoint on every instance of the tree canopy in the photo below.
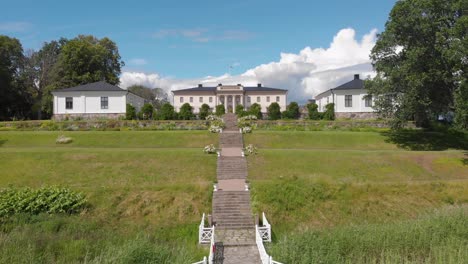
(274, 111)
(420, 59)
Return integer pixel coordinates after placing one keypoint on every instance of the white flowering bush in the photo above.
(247, 117)
(215, 129)
(209, 149)
(246, 129)
(62, 139)
(213, 118)
(216, 124)
(250, 150)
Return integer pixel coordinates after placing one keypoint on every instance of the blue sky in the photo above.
(189, 40)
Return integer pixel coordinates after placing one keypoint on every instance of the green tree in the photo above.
(461, 106)
(130, 112)
(156, 96)
(220, 110)
(147, 111)
(167, 112)
(313, 111)
(419, 59)
(239, 110)
(15, 101)
(329, 113)
(274, 111)
(292, 111)
(87, 59)
(186, 112)
(204, 111)
(256, 110)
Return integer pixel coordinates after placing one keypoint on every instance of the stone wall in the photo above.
(61, 117)
(356, 115)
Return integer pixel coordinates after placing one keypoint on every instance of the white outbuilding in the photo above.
(351, 100)
(94, 100)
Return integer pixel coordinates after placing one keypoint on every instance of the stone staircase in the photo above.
(230, 139)
(231, 210)
(232, 168)
(230, 121)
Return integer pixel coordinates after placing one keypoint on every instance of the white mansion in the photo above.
(350, 99)
(229, 96)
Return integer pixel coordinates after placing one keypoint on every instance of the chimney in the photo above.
(220, 84)
(200, 85)
(239, 84)
(259, 85)
(356, 76)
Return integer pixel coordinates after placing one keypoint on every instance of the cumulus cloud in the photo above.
(305, 74)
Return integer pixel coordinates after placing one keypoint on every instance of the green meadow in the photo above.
(331, 196)
(362, 197)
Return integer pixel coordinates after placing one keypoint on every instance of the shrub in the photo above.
(274, 111)
(313, 111)
(210, 149)
(130, 112)
(146, 111)
(250, 150)
(292, 111)
(62, 139)
(167, 112)
(220, 110)
(240, 110)
(186, 112)
(256, 110)
(204, 111)
(329, 113)
(49, 200)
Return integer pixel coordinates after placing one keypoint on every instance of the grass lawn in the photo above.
(147, 192)
(362, 197)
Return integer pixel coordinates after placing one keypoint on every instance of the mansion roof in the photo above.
(220, 87)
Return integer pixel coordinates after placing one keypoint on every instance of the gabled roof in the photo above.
(246, 88)
(96, 86)
(355, 84)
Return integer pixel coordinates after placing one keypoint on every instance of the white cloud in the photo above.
(14, 26)
(138, 62)
(306, 74)
(203, 34)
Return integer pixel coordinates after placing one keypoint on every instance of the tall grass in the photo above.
(441, 237)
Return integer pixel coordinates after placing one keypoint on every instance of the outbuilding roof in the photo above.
(356, 83)
(96, 86)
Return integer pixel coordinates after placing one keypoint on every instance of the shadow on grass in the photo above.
(427, 140)
(2, 141)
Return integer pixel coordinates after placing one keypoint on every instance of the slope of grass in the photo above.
(440, 237)
(110, 139)
(147, 192)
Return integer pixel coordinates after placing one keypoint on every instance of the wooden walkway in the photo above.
(232, 213)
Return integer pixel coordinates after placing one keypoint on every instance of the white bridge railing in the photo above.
(205, 233)
(263, 233)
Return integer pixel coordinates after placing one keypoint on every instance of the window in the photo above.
(69, 103)
(248, 99)
(368, 101)
(277, 99)
(181, 99)
(104, 102)
(348, 100)
(268, 99)
(211, 99)
(201, 99)
(328, 100)
(191, 99)
(258, 99)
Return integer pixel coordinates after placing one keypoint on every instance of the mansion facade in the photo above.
(230, 96)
